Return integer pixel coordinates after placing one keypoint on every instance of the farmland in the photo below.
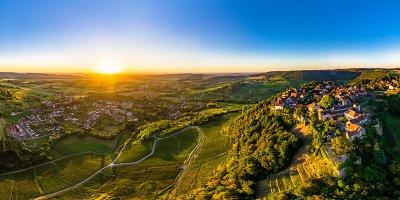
(126, 136)
(212, 153)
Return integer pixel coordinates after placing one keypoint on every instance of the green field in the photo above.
(212, 153)
(51, 177)
(245, 91)
(134, 152)
(145, 179)
(75, 144)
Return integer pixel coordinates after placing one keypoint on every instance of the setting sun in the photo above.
(108, 68)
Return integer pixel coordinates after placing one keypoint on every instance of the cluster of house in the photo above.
(345, 106)
(392, 85)
(33, 126)
(48, 120)
(108, 108)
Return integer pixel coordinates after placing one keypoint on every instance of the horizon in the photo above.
(196, 37)
(202, 73)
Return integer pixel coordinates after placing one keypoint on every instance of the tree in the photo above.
(341, 145)
(326, 101)
(317, 144)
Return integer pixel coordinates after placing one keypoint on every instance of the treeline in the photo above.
(14, 156)
(373, 77)
(164, 128)
(5, 94)
(393, 103)
(315, 75)
(262, 144)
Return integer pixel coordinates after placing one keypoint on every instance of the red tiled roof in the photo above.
(352, 127)
(352, 113)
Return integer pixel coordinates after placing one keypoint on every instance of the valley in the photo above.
(186, 136)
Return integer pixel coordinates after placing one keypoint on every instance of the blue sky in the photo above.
(197, 36)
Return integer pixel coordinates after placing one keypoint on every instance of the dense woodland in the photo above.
(262, 144)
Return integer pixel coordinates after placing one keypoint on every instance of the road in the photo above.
(113, 164)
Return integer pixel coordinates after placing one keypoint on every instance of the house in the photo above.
(362, 119)
(357, 107)
(293, 95)
(354, 131)
(351, 114)
(291, 101)
(324, 114)
(278, 105)
(341, 108)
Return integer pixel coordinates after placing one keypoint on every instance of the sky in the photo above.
(170, 36)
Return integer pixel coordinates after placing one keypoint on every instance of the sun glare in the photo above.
(108, 68)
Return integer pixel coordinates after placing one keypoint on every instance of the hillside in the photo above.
(275, 135)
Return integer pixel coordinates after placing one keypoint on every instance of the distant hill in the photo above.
(311, 75)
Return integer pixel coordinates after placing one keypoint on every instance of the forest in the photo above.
(262, 144)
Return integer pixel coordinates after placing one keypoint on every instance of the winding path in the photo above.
(64, 157)
(113, 164)
(177, 181)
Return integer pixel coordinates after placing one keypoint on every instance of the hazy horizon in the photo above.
(196, 36)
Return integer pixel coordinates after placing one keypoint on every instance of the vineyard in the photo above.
(143, 179)
(212, 153)
(305, 166)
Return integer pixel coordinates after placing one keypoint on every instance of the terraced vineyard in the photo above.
(306, 167)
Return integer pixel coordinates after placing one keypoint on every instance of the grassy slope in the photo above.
(212, 153)
(144, 180)
(51, 177)
(75, 144)
(134, 152)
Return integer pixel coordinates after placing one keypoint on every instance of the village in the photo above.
(66, 113)
(345, 106)
(345, 111)
(55, 117)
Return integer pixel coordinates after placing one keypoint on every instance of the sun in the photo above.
(108, 68)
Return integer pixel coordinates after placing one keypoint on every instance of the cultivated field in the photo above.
(212, 153)
(144, 178)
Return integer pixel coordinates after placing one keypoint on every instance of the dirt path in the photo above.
(64, 157)
(113, 164)
(177, 181)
